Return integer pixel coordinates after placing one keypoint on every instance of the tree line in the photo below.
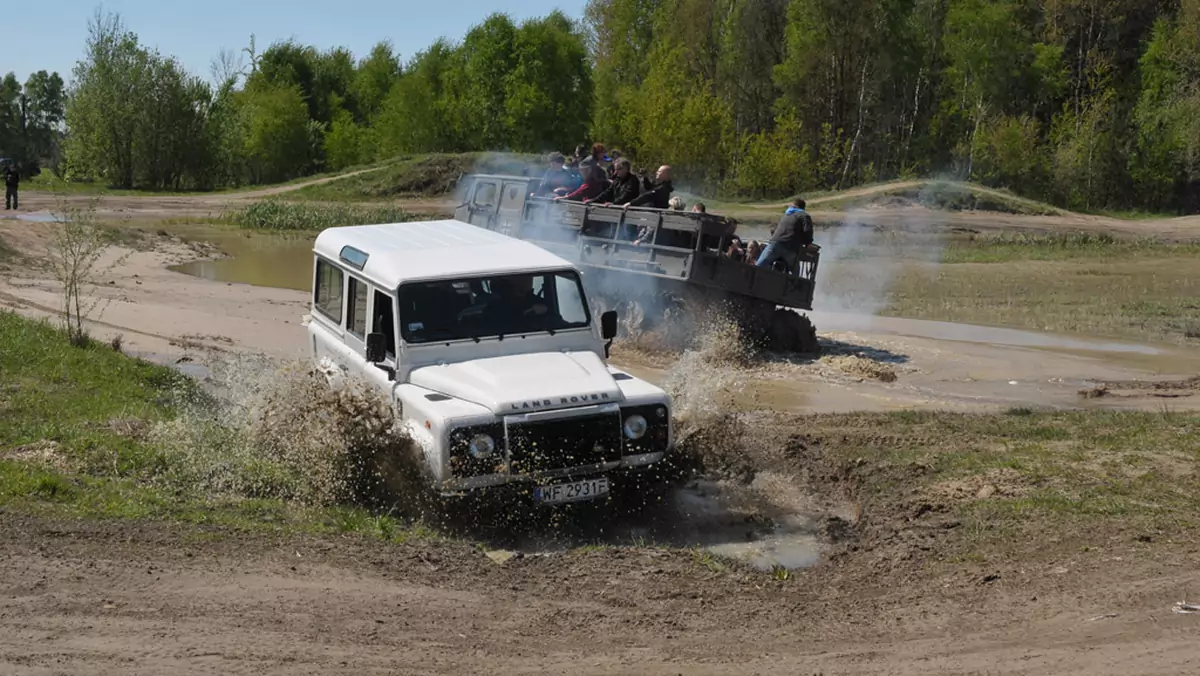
(1090, 104)
(136, 118)
(31, 116)
(1087, 103)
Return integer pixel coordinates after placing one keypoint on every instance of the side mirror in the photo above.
(608, 325)
(376, 348)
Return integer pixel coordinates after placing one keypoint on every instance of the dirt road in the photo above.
(127, 599)
(156, 207)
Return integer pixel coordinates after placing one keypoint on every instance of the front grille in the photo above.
(564, 443)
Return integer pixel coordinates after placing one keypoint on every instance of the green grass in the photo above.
(279, 215)
(1139, 289)
(1011, 247)
(418, 176)
(52, 392)
(1152, 295)
(70, 446)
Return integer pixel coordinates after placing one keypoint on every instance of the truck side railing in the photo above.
(688, 247)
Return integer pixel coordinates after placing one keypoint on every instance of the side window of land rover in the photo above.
(327, 294)
(356, 318)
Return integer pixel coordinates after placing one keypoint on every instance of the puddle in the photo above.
(278, 261)
(187, 368)
(40, 217)
(751, 525)
(970, 333)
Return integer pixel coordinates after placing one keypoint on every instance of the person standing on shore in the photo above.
(12, 180)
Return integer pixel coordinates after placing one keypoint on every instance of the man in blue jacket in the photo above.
(794, 232)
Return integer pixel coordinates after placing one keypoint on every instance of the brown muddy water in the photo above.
(275, 260)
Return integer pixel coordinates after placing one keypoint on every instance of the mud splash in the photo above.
(264, 429)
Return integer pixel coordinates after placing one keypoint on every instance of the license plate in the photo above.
(571, 492)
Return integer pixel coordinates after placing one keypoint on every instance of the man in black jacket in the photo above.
(12, 179)
(659, 193)
(623, 189)
(795, 231)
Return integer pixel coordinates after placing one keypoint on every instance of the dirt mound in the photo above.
(993, 483)
(45, 453)
(1163, 389)
(433, 175)
(862, 367)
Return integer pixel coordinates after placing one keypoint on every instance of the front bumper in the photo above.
(640, 467)
(557, 446)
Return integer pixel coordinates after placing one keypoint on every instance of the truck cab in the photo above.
(488, 348)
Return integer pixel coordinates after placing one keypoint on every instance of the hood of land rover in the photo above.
(524, 383)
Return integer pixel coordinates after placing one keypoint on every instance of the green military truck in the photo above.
(677, 276)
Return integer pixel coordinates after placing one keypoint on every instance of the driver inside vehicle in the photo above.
(514, 300)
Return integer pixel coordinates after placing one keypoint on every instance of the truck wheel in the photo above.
(793, 332)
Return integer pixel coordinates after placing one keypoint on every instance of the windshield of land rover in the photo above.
(485, 307)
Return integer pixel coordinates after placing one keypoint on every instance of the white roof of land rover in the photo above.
(403, 252)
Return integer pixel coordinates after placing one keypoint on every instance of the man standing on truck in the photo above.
(795, 230)
(12, 179)
(624, 188)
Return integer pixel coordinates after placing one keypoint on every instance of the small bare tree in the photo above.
(76, 250)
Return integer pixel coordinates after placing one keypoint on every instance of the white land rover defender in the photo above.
(491, 355)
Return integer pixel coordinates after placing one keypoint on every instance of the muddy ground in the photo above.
(148, 598)
(129, 598)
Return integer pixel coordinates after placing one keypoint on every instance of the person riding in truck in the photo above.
(624, 188)
(794, 231)
(556, 177)
(659, 194)
(594, 184)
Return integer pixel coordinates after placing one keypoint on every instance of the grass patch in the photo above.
(1009, 247)
(54, 393)
(1151, 296)
(76, 441)
(279, 215)
(420, 176)
(46, 181)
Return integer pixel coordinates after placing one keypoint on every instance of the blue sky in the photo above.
(50, 34)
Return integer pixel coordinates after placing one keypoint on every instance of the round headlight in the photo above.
(482, 446)
(635, 427)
